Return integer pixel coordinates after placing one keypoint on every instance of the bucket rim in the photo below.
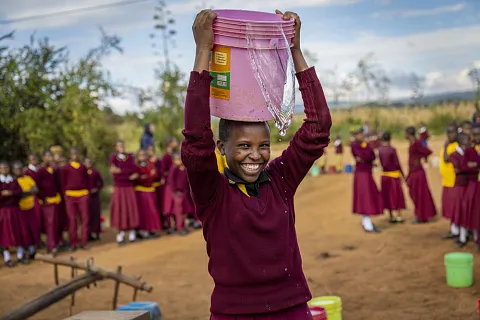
(277, 19)
(225, 33)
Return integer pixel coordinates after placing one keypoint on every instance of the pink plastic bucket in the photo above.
(234, 91)
(318, 313)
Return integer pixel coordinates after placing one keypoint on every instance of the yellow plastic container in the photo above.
(333, 306)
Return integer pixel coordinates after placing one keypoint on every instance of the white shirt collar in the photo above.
(6, 179)
(32, 167)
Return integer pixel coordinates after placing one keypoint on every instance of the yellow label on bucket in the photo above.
(220, 71)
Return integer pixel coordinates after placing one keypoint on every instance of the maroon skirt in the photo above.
(470, 208)
(392, 194)
(188, 206)
(149, 218)
(367, 200)
(421, 195)
(167, 199)
(123, 209)
(10, 233)
(447, 202)
(62, 216)
(39, 215)
(29, 227)
(301, 312)
(95, 213)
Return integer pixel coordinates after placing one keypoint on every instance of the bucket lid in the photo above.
(245, 29)
(272, 35)
(458, 258)
(246, 16)
(330, 303)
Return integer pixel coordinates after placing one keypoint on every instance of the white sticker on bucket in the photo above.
(220, 71)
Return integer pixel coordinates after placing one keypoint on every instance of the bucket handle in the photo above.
(274, 45)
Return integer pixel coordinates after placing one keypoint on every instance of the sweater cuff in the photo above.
(309, 75)
(200, 80)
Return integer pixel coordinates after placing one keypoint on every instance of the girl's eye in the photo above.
(244, 145)
(265, 146)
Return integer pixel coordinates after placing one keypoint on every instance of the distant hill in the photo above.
(428, 99)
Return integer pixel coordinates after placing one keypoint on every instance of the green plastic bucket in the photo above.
(459, 269)
(333, 306)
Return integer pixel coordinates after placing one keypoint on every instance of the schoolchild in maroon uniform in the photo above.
(391, 183)
(247, 212)
(27, 214)
(10, 233)
(123, 207)
(32, 171)
(149, 217)
(167, 194)
(417, 179)
(158, 181)
(60, 162)
(476, 202)
(181, 205)
(423, 135)
(76, 191)
(49, 195)
(338, 154)
(95, 207)
(367, 200)
(465, 162)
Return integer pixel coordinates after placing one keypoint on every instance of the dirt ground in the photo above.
(398, 274)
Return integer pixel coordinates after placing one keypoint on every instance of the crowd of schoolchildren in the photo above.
(459, 162)
(50, 198)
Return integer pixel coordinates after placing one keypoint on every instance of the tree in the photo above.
(45, 99)
(365, 74)
(474, 75)
(416, 85)
(382, 84)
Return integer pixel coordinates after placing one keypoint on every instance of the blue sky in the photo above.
(437, 39)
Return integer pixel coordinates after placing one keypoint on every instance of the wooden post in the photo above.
(58, 293)
(117, 286)
(55, 274)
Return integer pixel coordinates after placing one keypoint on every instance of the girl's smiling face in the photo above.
(247, 149)
(4, 169)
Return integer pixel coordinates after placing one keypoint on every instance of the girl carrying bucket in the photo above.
(247, 212)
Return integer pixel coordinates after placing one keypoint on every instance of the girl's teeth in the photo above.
(251, 167)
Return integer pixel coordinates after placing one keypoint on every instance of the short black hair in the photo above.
(47, 152)
(226, 126)
(451, 125)
(3, 163)
(18, 163)
(169, 140)
(462, 135)
(411, 131)
(386, 136)
(466, 122)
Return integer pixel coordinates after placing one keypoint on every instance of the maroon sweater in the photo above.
(389, 159)
(95, 179)
(127, 167)
(255, 261)
(47, 183)
(11, 200)
(416, 152)
(178, 179)
(464, 174)
(366, 155)
(75, 178)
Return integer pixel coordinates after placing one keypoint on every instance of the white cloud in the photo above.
(442, 61)
(422, 12)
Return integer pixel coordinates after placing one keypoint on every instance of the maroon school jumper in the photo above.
(76, 179)
(149, 217)
(367, 200)
(418, 184)
(392, 192)
(167, 197)
(464, 190)
(38, 208)
(123, 207)
(95, 182)
(181, 204)
(48, 187)
(255, 261)
(10, 231)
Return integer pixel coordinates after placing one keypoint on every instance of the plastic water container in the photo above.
(314, 171)
(459, 269)
(151, 307)
(331, 304)
(348, 168)
(318, 313)
(234, 92)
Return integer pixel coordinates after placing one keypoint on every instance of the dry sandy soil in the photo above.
(398, 274)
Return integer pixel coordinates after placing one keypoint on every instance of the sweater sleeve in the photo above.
(310, 140)
(198, 147)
